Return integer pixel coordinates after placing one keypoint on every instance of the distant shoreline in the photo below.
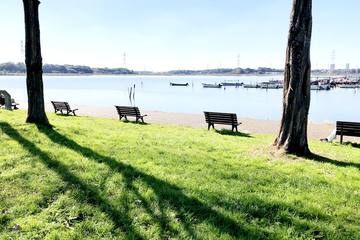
(180, 75)
(165, 75)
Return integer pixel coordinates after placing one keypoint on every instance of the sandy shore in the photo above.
(249, 125)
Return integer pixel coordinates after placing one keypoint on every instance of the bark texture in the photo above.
(296, 97)
(33, 60)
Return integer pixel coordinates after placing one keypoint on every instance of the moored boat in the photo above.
(349, 86)
(271, 86)
(232, 84)
(209, 85)
(251, 86)
(320, 87)
(179, 84)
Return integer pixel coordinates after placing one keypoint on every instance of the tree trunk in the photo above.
(296, 97)
(33, 59)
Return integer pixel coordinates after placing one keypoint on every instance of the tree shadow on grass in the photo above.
(322, 159)
(232, 133)
(175, 198)
(91, 194)
(173, 195)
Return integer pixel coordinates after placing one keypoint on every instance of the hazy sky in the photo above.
(180, 34)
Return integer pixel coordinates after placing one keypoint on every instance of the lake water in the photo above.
(155, 93)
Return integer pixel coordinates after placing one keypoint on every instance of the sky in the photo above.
(161, 35)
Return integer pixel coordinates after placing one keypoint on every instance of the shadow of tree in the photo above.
(171, 194)
(91, 194)
(322, 159)
(232, 133)
(165, 191)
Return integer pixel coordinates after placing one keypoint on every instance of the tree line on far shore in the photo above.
(14, 68)
(20, 68)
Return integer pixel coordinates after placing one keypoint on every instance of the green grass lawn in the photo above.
(105, 179)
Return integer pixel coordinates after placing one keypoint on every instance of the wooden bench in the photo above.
(125, 112)
(212, 118)
(351, 129)
(62, 107)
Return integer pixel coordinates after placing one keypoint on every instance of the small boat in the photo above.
(271, 86)
(179, 84)
(251, 86)
(207, 85)
(320, 87)
(232, 84)
(349, 86)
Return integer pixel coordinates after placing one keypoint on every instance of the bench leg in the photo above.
(209, 125)
(341, 139)
(234, 128)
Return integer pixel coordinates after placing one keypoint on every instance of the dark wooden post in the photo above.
(33, 59)
(296, 96)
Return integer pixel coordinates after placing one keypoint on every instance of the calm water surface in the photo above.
(155, 93)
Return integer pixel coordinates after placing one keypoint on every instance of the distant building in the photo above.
(332, 68)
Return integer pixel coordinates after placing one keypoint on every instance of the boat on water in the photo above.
(232, 84)
(320, 87)
(209, 85)
(251, 86)
(179, 84)
(271, 86)
(349, 86)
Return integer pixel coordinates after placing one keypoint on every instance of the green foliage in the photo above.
(90, 178)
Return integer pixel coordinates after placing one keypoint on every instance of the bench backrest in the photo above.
(60, 105)
(128, 111)
(221, 118)
(348, 128)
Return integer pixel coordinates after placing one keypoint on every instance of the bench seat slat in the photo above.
(351, 129)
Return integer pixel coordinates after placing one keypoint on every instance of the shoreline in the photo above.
(196, 120)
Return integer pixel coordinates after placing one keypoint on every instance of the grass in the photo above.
(105, 179)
